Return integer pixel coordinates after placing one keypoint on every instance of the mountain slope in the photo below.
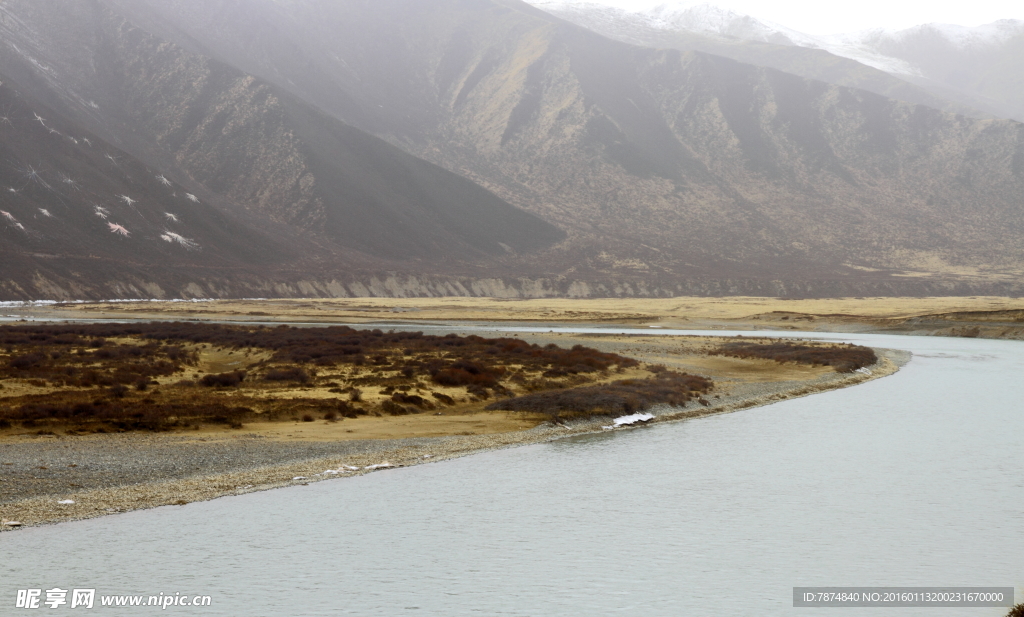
(346, 204)
(665, 167)
(78, 212)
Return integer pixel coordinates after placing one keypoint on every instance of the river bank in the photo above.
(49, 479)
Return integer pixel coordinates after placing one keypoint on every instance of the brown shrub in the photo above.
(618, 397)
(844, 358)
(27, 361)
(394, 409)
(466, 373)
(349, 411)
(223, 380)
(412, 399)
(478, 391)
(444, 398)
(293, 373)
(126, 414)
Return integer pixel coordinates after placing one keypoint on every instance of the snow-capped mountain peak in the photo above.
(705, 18)
(712, 19)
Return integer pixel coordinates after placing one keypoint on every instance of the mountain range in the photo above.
(226, 148)
(978, 71)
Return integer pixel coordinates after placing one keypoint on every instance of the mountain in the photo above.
(677, 170)
(416, 147)
(123, 150)
(77, 212)
(973, 71)
(984, 65)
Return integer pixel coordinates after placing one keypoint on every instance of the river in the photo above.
(914, 479)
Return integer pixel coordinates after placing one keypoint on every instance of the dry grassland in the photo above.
(686, 312)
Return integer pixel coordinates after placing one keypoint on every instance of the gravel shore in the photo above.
(103, 474)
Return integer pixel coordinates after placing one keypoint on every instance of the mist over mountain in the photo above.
(971, 70)
(983, 65)
(408, 147)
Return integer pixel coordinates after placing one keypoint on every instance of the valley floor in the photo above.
(981, 316)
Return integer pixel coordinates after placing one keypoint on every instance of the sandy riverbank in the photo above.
(95, 473)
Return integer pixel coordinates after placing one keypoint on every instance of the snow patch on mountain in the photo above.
(859, 47)
(868, 47)
(712, 19)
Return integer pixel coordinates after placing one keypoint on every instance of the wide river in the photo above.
(912, 480)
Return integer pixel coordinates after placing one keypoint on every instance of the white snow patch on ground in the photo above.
(636, 418)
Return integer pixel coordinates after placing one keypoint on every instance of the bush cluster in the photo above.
(844, 358)
(618, 397)
(465, 373)
(413, 399)
(223, 380)
(81, 356)
(469, 360)
(131, 415)
(290, 373)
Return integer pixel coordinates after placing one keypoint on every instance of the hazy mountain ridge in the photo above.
(974, 68)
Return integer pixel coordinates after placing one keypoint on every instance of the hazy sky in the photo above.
(829, 17)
